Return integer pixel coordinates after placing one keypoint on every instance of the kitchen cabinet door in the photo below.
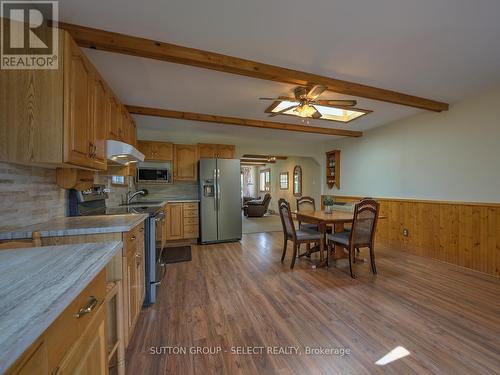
(206, 150)
(78, 105)
(225, 151)
(164, 151)
(146, 148)
(100, 122)
(132, 292)
(36, 363)
(140, 279)
(174, 221)
(185, 162)
(89, 355)
(115, 120)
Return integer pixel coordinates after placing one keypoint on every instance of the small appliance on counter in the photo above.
(92, 202)
(220, 202)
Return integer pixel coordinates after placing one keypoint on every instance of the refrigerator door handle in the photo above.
(218, 190)
(215, 189)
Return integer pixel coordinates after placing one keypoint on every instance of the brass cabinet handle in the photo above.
(132, 238)
(137, 255)
(91, 305)
(141, 230)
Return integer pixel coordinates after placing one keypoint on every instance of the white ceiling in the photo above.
(441, 49)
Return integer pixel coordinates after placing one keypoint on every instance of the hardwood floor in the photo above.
(240, 295)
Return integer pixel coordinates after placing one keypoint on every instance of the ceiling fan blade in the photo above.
(282, 111)
(274, 99)
(315, 91)
(316, 115)
(333, 103)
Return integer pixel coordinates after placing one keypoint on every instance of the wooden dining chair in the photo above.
(306, 204)
(35, 242)
(299, 236)
(362, 232)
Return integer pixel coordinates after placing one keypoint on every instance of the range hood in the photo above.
(122, 153)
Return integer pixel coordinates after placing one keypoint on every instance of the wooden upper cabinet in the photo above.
(225, 151)
(115, 119)
(101, 116)
(133, 133)
(156, 151)
(208, 150)
(164, 151)
(60, 117)
(146, 148)
(78, 106)
(185, 162)
(126, 131)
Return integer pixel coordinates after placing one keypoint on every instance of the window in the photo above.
(118, 180)
(265, 180)
(284, 180)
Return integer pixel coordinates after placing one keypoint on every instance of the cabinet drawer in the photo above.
(191, 231)
(191, 221)
(190, 213)
(67, 328)
(190, 206)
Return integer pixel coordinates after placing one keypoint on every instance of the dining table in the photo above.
(335, 218)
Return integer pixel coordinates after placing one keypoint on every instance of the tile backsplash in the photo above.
(181, 189)
(29, 195)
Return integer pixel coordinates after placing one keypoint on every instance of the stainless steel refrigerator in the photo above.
(220, 200)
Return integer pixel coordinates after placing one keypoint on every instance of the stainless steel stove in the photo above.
(92, 202)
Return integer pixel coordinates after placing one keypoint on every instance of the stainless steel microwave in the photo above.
(154, 172)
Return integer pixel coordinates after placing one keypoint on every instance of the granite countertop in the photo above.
(78, 225)
(37, 284)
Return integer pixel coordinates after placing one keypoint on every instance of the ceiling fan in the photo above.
(306, 102)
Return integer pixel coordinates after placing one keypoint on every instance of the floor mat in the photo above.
(176, 254)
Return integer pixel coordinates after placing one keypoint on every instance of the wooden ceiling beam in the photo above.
(153, 49)
(167, 113)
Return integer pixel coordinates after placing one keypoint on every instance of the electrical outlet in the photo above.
(406, 232)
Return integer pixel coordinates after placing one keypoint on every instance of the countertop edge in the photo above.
(22, 235)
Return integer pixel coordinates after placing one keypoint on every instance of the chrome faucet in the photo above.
(131, 195)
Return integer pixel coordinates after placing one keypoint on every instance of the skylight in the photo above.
(327, 113)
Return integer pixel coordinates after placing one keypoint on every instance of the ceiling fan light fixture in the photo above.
(305, 110)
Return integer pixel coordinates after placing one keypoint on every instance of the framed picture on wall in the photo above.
(284, 180)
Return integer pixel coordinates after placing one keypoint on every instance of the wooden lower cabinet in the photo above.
(182, 221)
(74, 343)
(50, 354)
(174, 221)
(34, 362)
(89, 355)
(133, 282)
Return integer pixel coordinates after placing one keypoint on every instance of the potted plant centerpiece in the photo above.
(328, 203)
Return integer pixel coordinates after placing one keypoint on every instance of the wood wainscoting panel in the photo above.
(462, 233)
